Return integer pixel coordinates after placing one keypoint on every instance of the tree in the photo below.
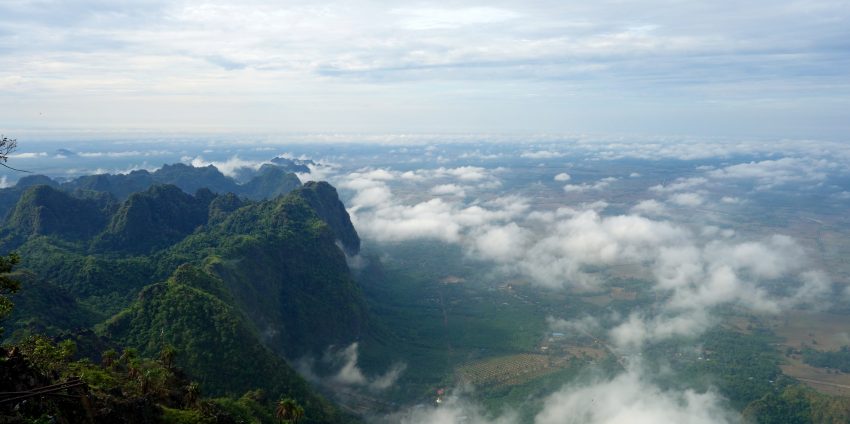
(108, 358)
(289, 411)
(7, 147)
(167, 355)
(193, 393)
(8, 285)
(297, 414)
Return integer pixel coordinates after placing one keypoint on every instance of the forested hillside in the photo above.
(233, 286)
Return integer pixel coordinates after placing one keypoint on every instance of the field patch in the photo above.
(508, 370)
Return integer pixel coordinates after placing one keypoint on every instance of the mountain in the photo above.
(192, 312)
(45, 308)
(268, 182)
(154, 219)
(9, 196)
(280, 262)
(235, 285)
(324, 199)
(44, 210)
(118, 185)
(293, 165)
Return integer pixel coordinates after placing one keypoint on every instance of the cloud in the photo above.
(769, 173)
(687, 199)
(586, 324)
(598, 185)
(692, 273)
(680, 184)
(380, 215)
(563, 176)
(500, 243)
(692, 269)
(455, 408)
(124, 154)
(348, 372)
(627, 398)
(433, 18)
(460, 66)
(448, 189)
(542, 154)
(630, 398)
(649, 207)
(28, 155)
(230, 167)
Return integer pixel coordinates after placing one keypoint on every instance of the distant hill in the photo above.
(155, 218)
(9, 196)
(269, 182)
(45, 210)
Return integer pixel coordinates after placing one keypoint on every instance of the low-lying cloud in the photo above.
(693, 269)
(347, 372)
(627, 398)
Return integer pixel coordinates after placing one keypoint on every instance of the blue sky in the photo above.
(720, 68)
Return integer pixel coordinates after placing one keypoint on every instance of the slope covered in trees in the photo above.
(225, 280)
(270, 181)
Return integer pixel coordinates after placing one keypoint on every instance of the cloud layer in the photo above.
(651, 66)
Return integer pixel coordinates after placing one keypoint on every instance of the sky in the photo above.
(774, 69)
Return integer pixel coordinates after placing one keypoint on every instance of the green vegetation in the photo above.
(839, 360)
(8, 284)
(122, 388)
(183, 313)
(798, 405)
(270, 182)
(154, 219)
(241, 285)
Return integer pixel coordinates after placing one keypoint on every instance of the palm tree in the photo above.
(297, 414)
(166, 356)
(109, 358)
(289, 411)
(193, 392)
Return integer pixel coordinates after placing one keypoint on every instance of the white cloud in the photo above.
(449, 189)
(454, 409)
(28, 155)
(124, 154)
(770, 173)
(432, 18)
(501, 243)
(349, 373)
(563, 176)
(687, 199)
(378, 214)
(630, 399)
(542, 154)
(598, 185)
(649, 207)
(693, 269)
(680, 184)
(229, 167)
